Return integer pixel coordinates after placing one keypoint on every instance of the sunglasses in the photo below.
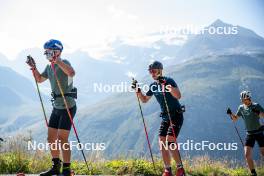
(152, 71)
(49, 54)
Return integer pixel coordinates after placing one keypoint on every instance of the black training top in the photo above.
(156, 90)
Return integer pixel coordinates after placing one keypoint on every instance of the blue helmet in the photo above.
(53, 44)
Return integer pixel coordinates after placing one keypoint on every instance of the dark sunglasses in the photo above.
(49, 53)
(152, 71)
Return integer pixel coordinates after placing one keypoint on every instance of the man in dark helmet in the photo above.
(167, 133)
(251, 113)
(59, 125)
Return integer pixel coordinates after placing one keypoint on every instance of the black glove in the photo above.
(31, 62)
(255, 110)
(228, 111)
(161, 80)
(135, 86)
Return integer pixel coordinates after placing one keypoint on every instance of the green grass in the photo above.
(15, 158)
(14, 162)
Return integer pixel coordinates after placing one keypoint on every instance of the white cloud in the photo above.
(83, 24)
(79, 25)
(119, 14)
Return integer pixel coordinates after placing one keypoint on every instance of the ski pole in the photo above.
(237, 131)
(170, 119)
(30, 60)
(69, 113)
(146, 132)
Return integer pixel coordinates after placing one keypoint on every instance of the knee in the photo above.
(62, 138)
(162, 139)
(162, 142)
(51, 138)
(171, 139)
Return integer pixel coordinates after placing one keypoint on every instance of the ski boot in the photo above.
(167, 172)
(180, 172)
(67, 172)
(253, 172)
(55, 170)
(21, 174)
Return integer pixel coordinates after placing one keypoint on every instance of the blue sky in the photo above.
(90, 24)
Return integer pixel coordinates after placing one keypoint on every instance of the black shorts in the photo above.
(166, 129)
(60, 119)
(252, 138)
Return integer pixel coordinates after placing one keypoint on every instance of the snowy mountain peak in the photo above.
(219, 22)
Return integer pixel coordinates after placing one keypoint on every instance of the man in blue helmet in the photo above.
(59, 125)
(167, 133)
(250, 113)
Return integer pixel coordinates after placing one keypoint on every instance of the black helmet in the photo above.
(156, 65)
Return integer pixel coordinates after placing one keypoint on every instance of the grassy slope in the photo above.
(16, 158)
(15, 162)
